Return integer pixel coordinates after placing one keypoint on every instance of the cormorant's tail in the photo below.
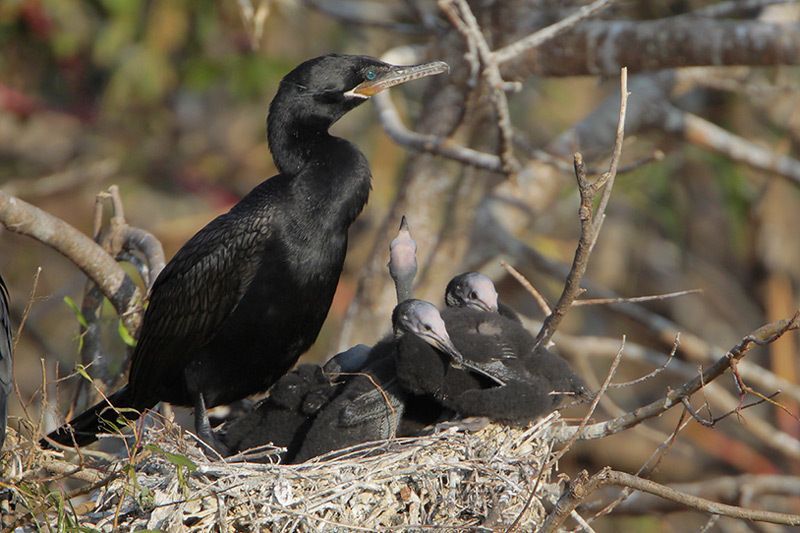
(83, 429)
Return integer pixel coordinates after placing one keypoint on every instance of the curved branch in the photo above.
(581, 487)
(26, 219)
(764, 335)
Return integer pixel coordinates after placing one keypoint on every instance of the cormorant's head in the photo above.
(327, 87)
(471, 289)
(422, 319)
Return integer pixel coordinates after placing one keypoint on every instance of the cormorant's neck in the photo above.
(293, 142)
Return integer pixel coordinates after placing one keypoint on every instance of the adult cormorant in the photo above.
(247, 295)
(6, 374)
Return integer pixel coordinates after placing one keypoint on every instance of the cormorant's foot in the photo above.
(203, 430)
(217, 448)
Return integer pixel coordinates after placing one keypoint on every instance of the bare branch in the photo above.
(703, 133)
(537, 296)
(590, 225)
(26, 219)
(582, 486)
(727, 489)
(635, 299)
(655, 372)
(763, 335)
(600, 47)
(394, 127)
(471, 31)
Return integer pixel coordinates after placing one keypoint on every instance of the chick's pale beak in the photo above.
(396, 75)
(446, 345)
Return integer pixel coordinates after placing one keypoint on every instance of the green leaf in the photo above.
(77, 311)
(125, 335)
(174, 458)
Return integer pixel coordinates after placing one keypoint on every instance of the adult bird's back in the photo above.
(247, 295)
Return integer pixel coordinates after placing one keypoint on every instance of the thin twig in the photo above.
(763, 335)
(654, 372)
(590, 225)
(635, 299)
(537, 296)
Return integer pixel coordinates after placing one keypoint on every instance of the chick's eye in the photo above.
(428, 327)
(473, 295)
(371, 74)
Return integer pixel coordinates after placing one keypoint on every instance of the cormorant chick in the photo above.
(424, 370)
(284, 417)
(247, 295)
(6, 374)
(477, 291)
(372, 405)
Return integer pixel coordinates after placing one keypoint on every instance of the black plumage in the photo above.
(6, 372)
(500, 347)
(357, 415)
(373, 405)
(284, 417)
(244, 297)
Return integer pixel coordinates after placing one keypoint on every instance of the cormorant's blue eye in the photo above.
(371, 75)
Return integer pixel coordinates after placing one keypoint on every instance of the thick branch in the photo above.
(26, 219)
(600, 47)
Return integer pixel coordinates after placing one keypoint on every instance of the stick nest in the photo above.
(451, 479)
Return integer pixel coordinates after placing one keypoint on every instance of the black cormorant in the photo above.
(6, 374)
(244, 297)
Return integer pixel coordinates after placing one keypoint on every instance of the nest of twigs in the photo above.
(454, 479)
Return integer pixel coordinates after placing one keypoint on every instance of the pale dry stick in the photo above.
(554, 460)
(635, 299)
(423, 142)
(582, 487)
(540, 37)
(528, 286)
(758, 427)
(590, 224)
(764, 335)
(701, 132)
(25, 314)
(468, 26)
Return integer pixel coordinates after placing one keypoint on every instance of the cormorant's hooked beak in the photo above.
(395, 75)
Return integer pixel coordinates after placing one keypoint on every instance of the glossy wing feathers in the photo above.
(196, 292)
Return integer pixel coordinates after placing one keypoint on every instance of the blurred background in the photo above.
(167, 99)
